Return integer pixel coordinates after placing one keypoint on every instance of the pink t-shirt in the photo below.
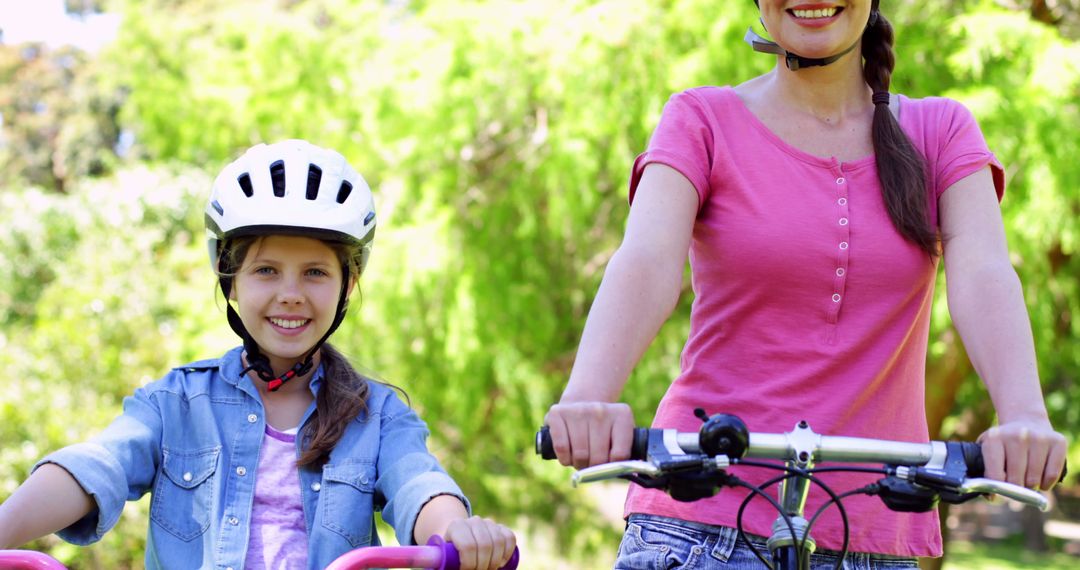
(808, 304)
(278, 536)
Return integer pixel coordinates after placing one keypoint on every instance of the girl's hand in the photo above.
(1026, 453)
(482, 544)
(590, 433)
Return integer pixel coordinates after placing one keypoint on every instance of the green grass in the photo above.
(1006, 555)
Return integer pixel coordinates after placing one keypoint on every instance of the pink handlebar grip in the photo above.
(437, 555)
(28, 560)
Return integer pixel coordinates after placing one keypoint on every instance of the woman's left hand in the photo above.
(482, 544)
(1024, 452)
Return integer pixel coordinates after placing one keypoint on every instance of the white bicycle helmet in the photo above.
(295, 188)
(291, 187)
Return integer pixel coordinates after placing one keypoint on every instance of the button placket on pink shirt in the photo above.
(843, 247)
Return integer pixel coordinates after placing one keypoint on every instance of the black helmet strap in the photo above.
(795, 61)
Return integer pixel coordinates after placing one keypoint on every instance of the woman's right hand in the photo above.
(589, 433)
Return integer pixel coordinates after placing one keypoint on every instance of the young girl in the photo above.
(278, 453)
(815, 207)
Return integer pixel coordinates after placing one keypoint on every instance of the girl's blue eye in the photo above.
(317, 272)
(264, 270)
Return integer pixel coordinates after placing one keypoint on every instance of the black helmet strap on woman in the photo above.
(794, 61)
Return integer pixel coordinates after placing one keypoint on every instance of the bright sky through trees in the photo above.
(46, 21)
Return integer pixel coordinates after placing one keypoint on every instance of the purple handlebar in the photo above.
(437, 555)
(28, 560)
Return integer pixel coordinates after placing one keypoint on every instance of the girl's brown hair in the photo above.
(901, 167)
(344, 392)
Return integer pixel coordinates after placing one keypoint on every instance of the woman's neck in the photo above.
(830, 93)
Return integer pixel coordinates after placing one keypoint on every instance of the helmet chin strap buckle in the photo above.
(793, 61)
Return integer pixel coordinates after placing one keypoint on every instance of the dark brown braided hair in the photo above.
(901, 167)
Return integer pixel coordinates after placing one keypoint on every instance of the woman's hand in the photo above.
(482, 544)
(590, 433)
(1026, 453)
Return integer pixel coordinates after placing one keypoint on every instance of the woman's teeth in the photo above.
(826, 13)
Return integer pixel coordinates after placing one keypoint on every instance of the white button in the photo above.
(843, 245)
(234, 521)
(241, 471)
(187, 476)
(840, 180)
(252, 418)
(843, 221)
(316, 486)
(842, 201)
(840, 271)
(229, 568)
(836, 298)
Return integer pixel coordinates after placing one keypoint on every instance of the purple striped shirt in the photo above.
(278, 537)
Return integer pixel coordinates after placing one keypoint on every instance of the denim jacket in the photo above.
(193, 438)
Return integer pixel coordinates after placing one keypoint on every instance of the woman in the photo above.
(815, 208)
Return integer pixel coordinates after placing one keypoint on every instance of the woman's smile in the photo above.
(815, 15)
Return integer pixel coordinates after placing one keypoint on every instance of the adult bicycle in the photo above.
(436, 555)
(694, 465)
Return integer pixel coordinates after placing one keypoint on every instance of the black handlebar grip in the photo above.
(639, 449)
(543, 444)
(973, 458)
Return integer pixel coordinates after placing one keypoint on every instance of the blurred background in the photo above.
(497, 137)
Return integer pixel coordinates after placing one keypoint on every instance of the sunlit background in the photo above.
(497, 136)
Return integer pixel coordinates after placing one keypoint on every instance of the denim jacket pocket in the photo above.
(181, 501)
(347, 500)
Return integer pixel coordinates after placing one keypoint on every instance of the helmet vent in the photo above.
(217, 207)
(344, 191)
(245, 184)
(277, 178)
(314, 177)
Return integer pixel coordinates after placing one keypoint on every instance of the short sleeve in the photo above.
(962, 150)
(683, 140)
(118, 464)
(409, 475)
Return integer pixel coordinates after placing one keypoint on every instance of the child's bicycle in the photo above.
(693, 465)
(436, 555)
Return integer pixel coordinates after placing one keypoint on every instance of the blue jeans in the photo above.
(653, 542)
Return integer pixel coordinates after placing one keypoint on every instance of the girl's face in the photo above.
(286, 293)
(815, 28)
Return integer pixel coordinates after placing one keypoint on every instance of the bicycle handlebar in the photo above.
(655, 452)
(28, 560)
(436, 555)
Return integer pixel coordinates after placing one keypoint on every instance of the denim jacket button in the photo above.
(241, 471)
(234, 521)
(316, 486)
(187, 476)
(252, 418)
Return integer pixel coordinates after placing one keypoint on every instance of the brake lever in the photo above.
(1014, 492)
(614, 470)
